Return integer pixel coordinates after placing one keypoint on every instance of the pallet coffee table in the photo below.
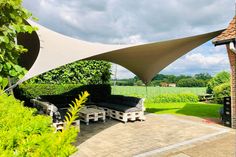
(94, 113)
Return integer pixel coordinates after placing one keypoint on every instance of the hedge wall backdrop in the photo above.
(80, 72)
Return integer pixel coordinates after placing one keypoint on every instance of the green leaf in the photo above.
(18, 68)
(12, 73)
(1, 66)
(7, 66)
(20, 76)
(4, 39)
(4, 83)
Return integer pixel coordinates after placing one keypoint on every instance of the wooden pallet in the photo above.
(92, 113)
(127, 116)
(61, 125)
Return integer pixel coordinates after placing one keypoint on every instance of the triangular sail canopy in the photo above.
(53, 50)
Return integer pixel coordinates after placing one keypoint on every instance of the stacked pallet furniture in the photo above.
(123, 108)
(94, 113)
(48, 108)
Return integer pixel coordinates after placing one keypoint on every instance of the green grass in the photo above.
(140, 91)
(189, 109)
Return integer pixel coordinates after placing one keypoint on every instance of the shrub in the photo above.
(24, 133)
(222, 77)
(221, 91)
(60, 92)
(168, 98)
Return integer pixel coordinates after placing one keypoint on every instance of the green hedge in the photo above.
(63, 93)
(24, 133)
(168, 98)
(80, 72)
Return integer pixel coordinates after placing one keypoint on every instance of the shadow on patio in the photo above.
(88, 131)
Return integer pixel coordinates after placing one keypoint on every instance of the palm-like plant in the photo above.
(75, 107)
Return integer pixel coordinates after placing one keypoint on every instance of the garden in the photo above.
(26, 132)
(182, 100)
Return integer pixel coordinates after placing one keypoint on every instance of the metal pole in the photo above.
(146, 90)
(115, 79)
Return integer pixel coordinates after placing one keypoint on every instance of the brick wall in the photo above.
(232, 59)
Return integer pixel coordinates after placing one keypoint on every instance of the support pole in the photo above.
(146, 96)
(115, 79)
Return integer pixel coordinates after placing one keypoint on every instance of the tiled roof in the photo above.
(228, 35)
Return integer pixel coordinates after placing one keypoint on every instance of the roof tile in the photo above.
(229, 33)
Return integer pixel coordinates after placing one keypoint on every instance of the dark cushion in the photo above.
(104, 104)
(124, 108)
(115, 99)
(132, 101)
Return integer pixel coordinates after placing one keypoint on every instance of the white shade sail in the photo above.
(50, 50)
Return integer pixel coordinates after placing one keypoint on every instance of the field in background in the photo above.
(140, 91)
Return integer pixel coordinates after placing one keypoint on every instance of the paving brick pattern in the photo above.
(160, 134)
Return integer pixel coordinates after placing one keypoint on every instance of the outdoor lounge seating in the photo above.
(57, 115)
(123, 108)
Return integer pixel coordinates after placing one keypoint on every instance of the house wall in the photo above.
(232, 59)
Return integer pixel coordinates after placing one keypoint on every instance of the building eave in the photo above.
(223, 42)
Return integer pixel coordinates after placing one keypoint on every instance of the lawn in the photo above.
(189, 109)
(140, 91)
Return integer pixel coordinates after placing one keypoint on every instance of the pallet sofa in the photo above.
(123, 108)
(45, 107)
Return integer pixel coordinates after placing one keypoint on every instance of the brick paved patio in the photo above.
(159, 135)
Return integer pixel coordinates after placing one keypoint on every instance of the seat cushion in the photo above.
(103, 104)
(123, 108)
(132, 102)
(115, 99)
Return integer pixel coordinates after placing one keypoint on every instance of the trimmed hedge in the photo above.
(80, 72)
(24, 133)
(169, 98)
(61, 94)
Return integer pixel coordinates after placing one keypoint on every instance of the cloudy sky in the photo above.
(139, 21)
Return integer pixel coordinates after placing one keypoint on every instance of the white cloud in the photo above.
(133, 39)
(122, 21)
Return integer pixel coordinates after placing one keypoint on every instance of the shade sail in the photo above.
(50, 50)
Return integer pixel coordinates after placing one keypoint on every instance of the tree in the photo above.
(12, 23)
(190, 82)
(203, 76)
(220, 78)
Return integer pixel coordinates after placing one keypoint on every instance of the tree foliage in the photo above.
(190, 82)
(203, 76)
(198, 80)
(220, 78)
(80, 72)
(12, 16)
(221, 91)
